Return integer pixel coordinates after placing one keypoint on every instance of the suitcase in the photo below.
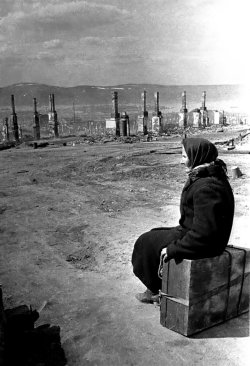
(197, 294)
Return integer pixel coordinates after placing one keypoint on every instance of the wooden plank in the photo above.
(172, 284)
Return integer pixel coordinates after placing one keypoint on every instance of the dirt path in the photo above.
(69, 219)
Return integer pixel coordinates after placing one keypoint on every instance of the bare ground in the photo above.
(69, 218)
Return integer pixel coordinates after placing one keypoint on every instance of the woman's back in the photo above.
(207, 210)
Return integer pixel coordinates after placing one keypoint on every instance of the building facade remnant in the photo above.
(218, 117)
(196, 118)
(36, 125)
(14, 120)
(111, 126)
(156, 124)
(157, 116)
(124, 124)
(20, 132)
(52, 115)
(5, 131)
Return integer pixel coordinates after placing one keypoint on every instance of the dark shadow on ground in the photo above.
(233, 328)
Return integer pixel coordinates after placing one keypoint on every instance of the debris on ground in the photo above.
(236, 172)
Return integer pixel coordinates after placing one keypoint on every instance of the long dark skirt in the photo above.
(146, 254)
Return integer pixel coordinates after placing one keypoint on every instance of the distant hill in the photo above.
(218, 96)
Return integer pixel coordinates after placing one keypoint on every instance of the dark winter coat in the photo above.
(207, 210)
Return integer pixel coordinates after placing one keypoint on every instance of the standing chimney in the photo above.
(156, 97)
(144, 113)
(144, 101)
(115, 104)
(203, 111)
(157, 117)
(203, 101)
(53, 103)
(36, 126)
(50, 103)
(14, 119)
(115, 113)
(184, 102)
(53, 122)
(55, 117)
(183, 111)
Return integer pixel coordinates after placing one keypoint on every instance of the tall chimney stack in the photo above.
(36, 126)
(34, 105)
(14, 119)
(115, 113)
(144, 101)
(13, 104)
(115, 104)
(144, 118)
(157, 108)
(203, 110)
(50, 103)
(184, 102)
(183, 111)
(203, 101)
(53, 122)
(53, 103)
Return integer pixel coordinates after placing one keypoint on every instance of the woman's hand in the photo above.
(164, 255)
(163, 259)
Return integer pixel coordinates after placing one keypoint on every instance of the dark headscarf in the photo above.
(199, 151)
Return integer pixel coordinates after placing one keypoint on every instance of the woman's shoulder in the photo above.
(210, 186)
(207, 178)
(211, 172)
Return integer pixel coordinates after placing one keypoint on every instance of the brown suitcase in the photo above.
(197, 294)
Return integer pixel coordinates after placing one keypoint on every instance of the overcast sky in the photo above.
(107, 42)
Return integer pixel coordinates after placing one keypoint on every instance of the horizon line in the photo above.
(115, 85)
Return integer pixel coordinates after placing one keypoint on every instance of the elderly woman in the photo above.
(207, 210)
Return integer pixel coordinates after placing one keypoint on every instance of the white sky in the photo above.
(107, 42)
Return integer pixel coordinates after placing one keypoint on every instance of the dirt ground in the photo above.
(69, 218)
